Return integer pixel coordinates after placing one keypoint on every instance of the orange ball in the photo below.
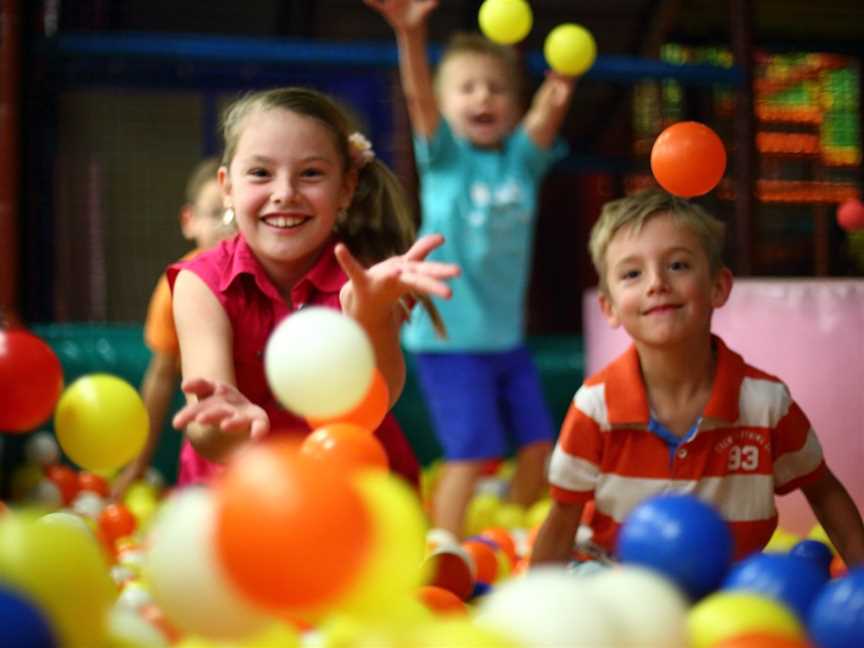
(688, 159)
(349, 446)
(66, 481)
(484, 558)
(501, 537)
(763, 640)
(368, 413)
(838, 567)
(88, 481)
(290, 536)
(116, 521)
(442, 601)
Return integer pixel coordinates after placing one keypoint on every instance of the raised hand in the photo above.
(223, 406)
(403, 14)
(373, 293)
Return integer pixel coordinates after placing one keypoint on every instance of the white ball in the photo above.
(47, 494)
(648, 610)
(547, 607)
(67, 519)
(42, 449)
(88, 504)
(185, 576)
(319, 362)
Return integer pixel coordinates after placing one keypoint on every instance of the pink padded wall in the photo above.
(808, 332)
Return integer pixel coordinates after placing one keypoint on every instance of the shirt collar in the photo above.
(325, 276)
(627, 398)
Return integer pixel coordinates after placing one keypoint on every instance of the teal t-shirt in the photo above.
(484, 202)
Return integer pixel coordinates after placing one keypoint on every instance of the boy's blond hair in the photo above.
(634, 211)
(470, 43)
(204, 172)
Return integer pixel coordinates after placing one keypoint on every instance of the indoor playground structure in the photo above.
(312, 542)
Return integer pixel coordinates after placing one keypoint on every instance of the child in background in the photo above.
(321, 222)
(201, 221)
(480, 171)
(679, 411)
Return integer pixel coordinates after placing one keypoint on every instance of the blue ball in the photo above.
(836, 617)
(22, 624)
(815, 550)
(791, 580)
(680, 536)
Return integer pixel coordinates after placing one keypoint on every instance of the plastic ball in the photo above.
(791, 580)
(304, 540)
(648, 610)
(63, 572)
(850, 215)
(570, 49)
(185, 577)
(680, 536)
(31, 380)
(485, 560)
(763, 640)
(88, 504)
(101, 422)
(452, 570)
(505, 21)
(441, 601)
(725, 614)
(502, 537)
(319, 362)
(65, 479)
(127, 629)
(22, 623)
(392, 570)
(547, 607)
(42, 449)
(142, 500)
(369, 413)
(117, 521)
(781, 541)
(837, 615)
(93, 483)
(688, 159)
(816, 551)
(345, 447)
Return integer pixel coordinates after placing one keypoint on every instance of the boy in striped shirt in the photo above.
(679, 411)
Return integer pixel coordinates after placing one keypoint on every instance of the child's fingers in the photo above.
(426, 284)
(437, 269)
(423, 246)
(200, 387)
(352, 267)
(214, 414)
(259, 429)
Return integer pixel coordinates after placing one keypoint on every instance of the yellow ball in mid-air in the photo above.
(570, 49)
(505, 21)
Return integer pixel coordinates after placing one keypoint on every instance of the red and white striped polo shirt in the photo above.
(753, 442)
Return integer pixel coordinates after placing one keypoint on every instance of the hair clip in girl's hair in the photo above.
(360, 149)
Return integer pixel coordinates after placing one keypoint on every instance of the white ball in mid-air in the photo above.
(319, 362)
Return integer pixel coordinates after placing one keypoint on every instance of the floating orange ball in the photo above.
(290, 536)
(345, 445)
(368, 413)
(688, 159)
(763, 640)
(94, 483)
(501, 537)
(441, 601)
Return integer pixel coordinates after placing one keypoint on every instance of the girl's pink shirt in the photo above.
(254, 308)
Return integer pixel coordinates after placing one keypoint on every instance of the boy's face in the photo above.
(202, 220)
(659, 283)
(477, 98)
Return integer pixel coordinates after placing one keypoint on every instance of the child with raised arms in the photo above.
(481, 163)
(680, 411)
(320, 222)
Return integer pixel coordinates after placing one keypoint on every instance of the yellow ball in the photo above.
(570, 49)
(538, 512)
(505, 21)
(818, 533)
(101, 422)
(726, 614)
(781, 541)
(63, 571)
(510, 516)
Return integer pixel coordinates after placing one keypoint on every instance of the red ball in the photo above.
(850, 215)
(31, 380)
(688, 159)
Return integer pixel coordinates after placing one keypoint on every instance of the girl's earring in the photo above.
(342, 216)
(228, 217)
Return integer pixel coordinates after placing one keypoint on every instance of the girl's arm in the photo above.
(548, 109)
(372, 297)
(554, 543)
(408, 19)
(839, 516)
(217, 418)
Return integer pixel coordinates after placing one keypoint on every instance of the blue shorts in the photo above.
(484, 404)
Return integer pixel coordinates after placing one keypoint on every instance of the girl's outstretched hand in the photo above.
(221, 405)
(403, 14)
(371, 294)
